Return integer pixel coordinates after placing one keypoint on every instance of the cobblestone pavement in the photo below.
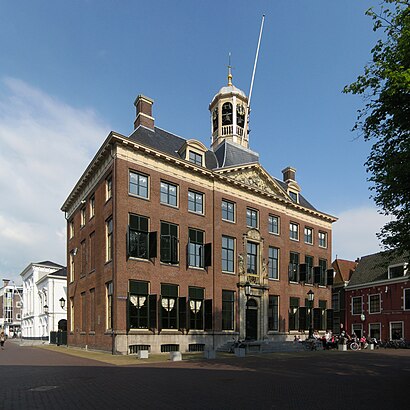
(38, 378)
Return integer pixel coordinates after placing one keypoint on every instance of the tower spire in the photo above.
(229, 71)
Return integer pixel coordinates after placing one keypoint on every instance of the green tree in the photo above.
(385, 120)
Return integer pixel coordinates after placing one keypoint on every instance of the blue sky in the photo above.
(70, 71)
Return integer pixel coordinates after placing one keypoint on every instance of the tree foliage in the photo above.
(385, 120)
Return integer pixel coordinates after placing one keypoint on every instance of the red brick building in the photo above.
(378, 297)
(172, 245)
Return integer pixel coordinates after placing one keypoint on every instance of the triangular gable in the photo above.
(254, 176)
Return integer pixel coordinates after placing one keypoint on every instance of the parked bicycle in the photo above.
(237, 343)
(310, 344)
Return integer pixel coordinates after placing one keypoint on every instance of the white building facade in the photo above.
(44, 286)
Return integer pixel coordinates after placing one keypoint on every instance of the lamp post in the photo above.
(311, 298)
(247, 289)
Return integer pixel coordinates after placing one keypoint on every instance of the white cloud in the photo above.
(354, 234)
(45, 145)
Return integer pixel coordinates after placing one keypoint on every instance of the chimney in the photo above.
(144, 116)
(5, 282)
(289, 174)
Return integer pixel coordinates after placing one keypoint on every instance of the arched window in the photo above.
(215, 119)
(227, 114)
(240, 115)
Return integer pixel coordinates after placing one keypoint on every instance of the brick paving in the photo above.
(37, 378)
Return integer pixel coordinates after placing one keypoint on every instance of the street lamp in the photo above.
(247, 289)
(62, 303)
(311, 298)
(45, 308)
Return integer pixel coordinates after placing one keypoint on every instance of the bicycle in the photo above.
(310, 344)
(237, 343)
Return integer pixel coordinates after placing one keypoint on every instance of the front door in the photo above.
(251, 320)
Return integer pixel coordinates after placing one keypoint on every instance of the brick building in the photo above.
(377, 297)
(172, 245)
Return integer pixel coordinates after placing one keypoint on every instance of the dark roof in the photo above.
(344, 270)
(167, 143)
(49, 263)
(302, 200)
(61, 272)
(372, 268)
(229, 154)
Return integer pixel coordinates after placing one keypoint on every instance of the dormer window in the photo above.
(294, 196)
(240, 115)
(227, 114)
(195, 158)
(397, 271)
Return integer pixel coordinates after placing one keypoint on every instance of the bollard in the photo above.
(175, 356)
(143, 354)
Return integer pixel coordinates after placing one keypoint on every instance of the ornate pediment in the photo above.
(255, 177)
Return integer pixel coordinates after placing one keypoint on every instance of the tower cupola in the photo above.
(229, 110)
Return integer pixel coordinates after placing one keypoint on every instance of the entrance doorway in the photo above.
(251, 320)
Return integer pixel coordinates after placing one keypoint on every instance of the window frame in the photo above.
(273, 260)
(308, 236)
(371, 303)
(139, 186)
(273, 313)
(395, 322)
(252, 257)
(140, 237)
(195, 155)
(230, 251)
(109, 293)
(228, 324)
(397, 265)
(136, 320)
(71, 229)
(83, 217)
(91, 206)
(295, 267)
(228, 213)
(173, 244)
(406, 299)
(109, 239)
(195, 202)
(293, 231)
(196, 319)
(198, 248)
(161, 193)
(270, 224)
(353, 312)
(175, 308)
(322, 240)
(108, 188)
(253, 216)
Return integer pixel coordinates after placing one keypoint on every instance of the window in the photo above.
(196, 308)
(357, 305)
(273, 224)
(374, 330)
(169, 306)
(357, 329)
(293, 266)
(251, 218)
(195, 248)
(83, 258)
(294, 231)
(228, 249)
(92, 206)
(293, 313)
(397, 271)
(91, 251)
(83, 312)
(320, 323)
(215, 119)
(323, 269)
(227, 114)
(108, 188)
(335, 301)
(82, 217)
(195, 158)
(92, 310)
(273, 313)
(196, 202)
(293, 196)
(138, 237)
(240, 115)
(322, 239)
(71, 229)
(138, 185)
(374, 303)
(228, 211)
(406, 299)
(228, 300)
(252, 257)
(109, 306)
(169, 194)
(169, 243)
(109, 240)
(72, 267)
(396, 330)
(309, 235)
(273, 266)
(309, 269)
(138, 309)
